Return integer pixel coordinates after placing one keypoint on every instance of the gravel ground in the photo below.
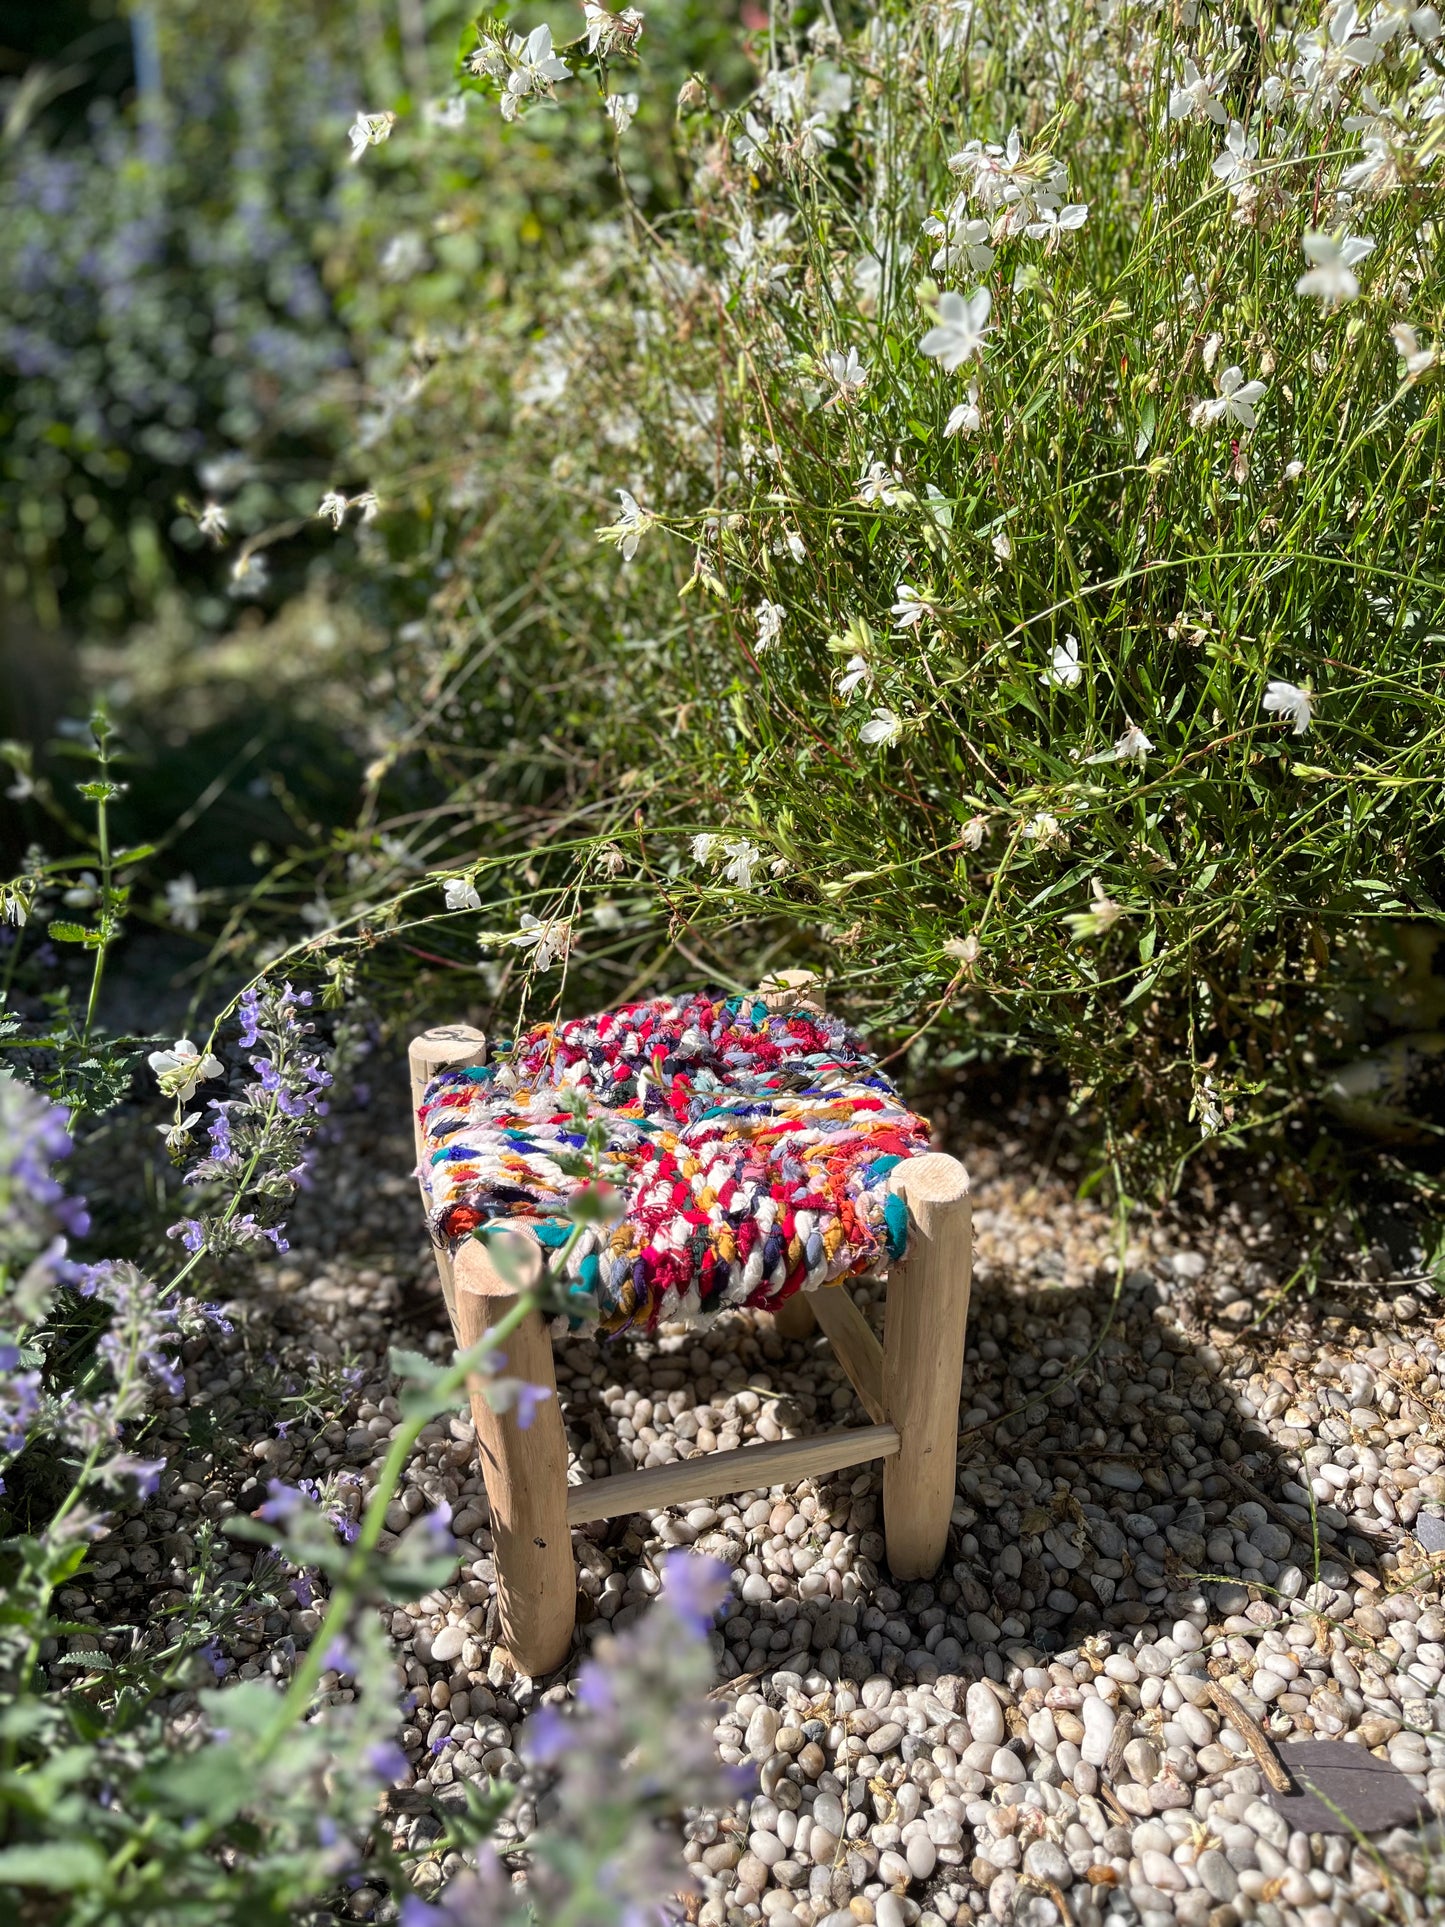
(1031, 1736)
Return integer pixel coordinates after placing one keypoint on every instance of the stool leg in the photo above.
(796, 1318)
(923, 1336)
(525, 1473)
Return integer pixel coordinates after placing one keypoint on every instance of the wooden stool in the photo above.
(909, 1387)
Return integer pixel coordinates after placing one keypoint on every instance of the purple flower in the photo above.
(283, 1500)
(161, 1368)
(436, 1525)
(386, 1759)
(248, 1011)
(190, 1231)
(594, 1688)
(213, 1656)
(145, 1472)
(529, 1397)
(220, 1130)
(338, 1657)
(19, 1402)
(415, 1912)
(694, 1587)
(548, 1736)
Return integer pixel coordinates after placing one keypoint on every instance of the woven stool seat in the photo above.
(749, 1152)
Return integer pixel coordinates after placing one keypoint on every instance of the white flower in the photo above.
(1233, 163)
(450, 111)
(1196, 96)
(609, 33)
(461, 894)
(974, 832)
(795, 546)
(250, 573)
(752, 143)
(631, 525)
(537, 64)
(620, 110)
(179, 1069)
(212, 522)
(1206, 1108)
(910, 608)
(857, 675)
(1002, 547)
(769, 618)
(1045, 830)
(880, 484)
(366, 505)
(848, 373)
(83, 893)
(1291, 703)
(332, 509)
(178, 1134)
(1377, 171)
(369, 130)
(1331, 276)
(1053, 224)
(1102, 914)
(1064, 671)
(1415, 358)
(883, 728)
(703, 846)
(1235, 401)
(1133, 746)
(547, 940)
(959, 334)
(965, 242)
(966, 418)
(183, 902)
(742, 859)
(964, 950)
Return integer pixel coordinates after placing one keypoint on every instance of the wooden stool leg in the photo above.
(525, 1472)
(923, 1336)
(453, 1047)
(796, 1318)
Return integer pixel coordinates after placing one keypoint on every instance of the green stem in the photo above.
(107, 913)
(304, 1682)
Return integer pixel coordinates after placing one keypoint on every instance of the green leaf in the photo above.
(1142, 988)
(59, 1865)
(74, 933)
(415, 1366)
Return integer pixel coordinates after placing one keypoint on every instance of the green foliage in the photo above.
(164, 328)
(1062, 703)
(134, 1786)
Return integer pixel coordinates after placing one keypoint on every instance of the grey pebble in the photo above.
(1046, 1861)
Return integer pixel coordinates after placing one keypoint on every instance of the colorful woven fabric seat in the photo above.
(750, 1153)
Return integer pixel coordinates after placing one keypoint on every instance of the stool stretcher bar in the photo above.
(714, 1474)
